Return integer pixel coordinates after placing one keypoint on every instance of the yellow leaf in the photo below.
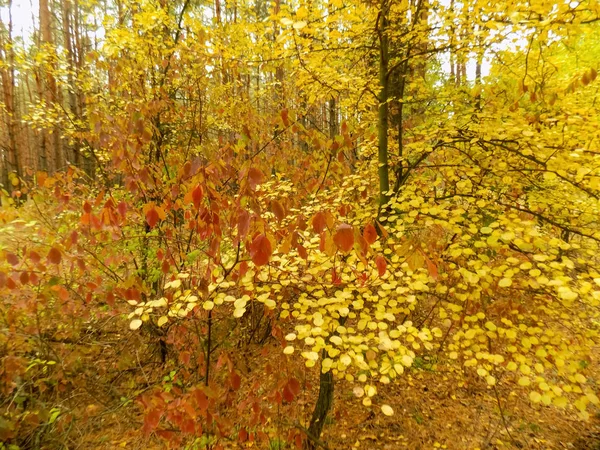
(524, 381)
(535, 397)
(387, 410)
(208, 305)
(162, 320)
(299, 25)
(135, 324)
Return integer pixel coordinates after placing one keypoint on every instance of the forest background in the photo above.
(297, 224)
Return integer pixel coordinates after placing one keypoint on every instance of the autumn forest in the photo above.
(299, 224)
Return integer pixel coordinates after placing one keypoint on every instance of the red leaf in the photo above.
(260, 250)
(122, 208)
(235, 381)
(12, 259)
(165, 267)
(87, 208)
(201, 399)
(152, 217)
(288, 396)
(302, 251)
(54, 256)
(243, 435)
(243, 223)
(381, 264)
(294, 386)
(151, 420)
(370, 233)
(195, 196)
(318, 222)
(278, 210)
(184, 358)
(24, 278)
(34, 257)
(255, 177)
(344, 237)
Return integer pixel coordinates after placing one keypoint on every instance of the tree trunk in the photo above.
(54, 157)
(382, 125)
(322, 407)
(72, 89)
(12, 159)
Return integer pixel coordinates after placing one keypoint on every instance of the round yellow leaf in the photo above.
(387, 410)
(288, 350)
(535, 397)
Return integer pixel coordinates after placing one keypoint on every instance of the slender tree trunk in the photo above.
(322, 407)
(54, 157)
(382, 125)
(72, 88)
(13, 158)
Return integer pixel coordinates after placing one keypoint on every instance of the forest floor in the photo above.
(431, 412)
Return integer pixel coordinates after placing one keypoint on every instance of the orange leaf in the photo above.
(54, 256)
(381, 264)
(318, 222)
(152, 217)
(197, 196)
(344, 237)
(370, 233)
(260, 250)
(278, 210)
(285, 117)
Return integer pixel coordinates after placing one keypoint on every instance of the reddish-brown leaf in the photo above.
(302, 251)
(260, 250)
(294, 386)
(122, 208)
(54, 256)
(154, 214)
(255, 177)
(151, 420)
(201, 399)
(370, 233)
(12, 259)
(243, 223)
(34, 257)
(285, 117)
(381, 264)
(288, 396)
(344, 237)
(318, 222)
(235, 380)
(194, 196)
(278, 210)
